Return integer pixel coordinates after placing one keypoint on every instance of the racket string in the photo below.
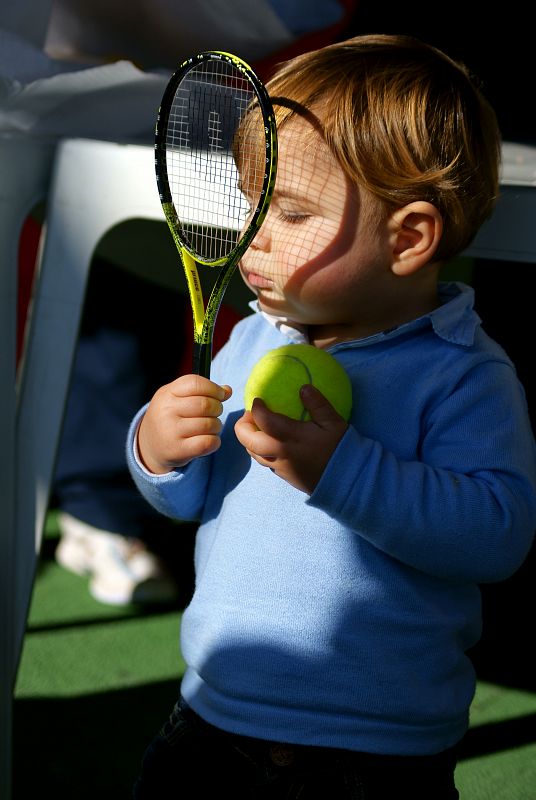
(203, 133)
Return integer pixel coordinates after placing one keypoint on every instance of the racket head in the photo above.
(215, 121)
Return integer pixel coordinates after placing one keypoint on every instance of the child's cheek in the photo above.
(298, 256)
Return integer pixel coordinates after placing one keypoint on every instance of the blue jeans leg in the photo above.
(190, 758)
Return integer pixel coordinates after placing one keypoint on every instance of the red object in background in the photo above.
(27, 259)
(309, 41)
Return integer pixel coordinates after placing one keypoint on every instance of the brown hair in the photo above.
(405, 122)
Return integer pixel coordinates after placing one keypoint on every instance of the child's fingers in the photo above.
(282, 427)
(190, 396)
(198, 386)
(258, 443)
(277, 425)
(196, 447)
(182, 422)
(198, 406)
(320, 409)
(188, 427)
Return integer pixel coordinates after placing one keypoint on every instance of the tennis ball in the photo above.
(278, 376)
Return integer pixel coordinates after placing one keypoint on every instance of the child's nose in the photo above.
(263, 236)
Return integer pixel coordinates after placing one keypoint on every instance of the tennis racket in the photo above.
(215, 161)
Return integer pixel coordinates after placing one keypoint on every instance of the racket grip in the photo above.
(202, 358)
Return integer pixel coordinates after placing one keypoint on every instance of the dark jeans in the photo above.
(190, 759)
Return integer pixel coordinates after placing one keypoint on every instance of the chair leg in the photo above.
(26, 166)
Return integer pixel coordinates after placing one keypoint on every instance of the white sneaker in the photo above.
(121, 570)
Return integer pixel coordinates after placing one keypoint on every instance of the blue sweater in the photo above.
(342, 619)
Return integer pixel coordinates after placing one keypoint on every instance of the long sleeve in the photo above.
(463, 508)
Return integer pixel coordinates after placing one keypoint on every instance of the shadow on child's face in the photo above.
(312, 218)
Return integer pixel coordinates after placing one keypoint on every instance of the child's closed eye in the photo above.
(293, 217)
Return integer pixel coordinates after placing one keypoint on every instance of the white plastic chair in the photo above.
(94, 186)
(26, 166)
(510, 234)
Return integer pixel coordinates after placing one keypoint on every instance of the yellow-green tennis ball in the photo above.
(279, 375)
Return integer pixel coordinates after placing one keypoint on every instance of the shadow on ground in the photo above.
(86, 747)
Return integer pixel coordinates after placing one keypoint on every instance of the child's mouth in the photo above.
(258, 281)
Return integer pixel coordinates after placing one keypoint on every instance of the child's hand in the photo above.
(296, 451)
(181, 423)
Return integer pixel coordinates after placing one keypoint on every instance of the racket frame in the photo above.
(204, 316)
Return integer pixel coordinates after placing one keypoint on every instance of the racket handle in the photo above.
(202, 358)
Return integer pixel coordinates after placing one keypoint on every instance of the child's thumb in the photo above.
(319, 407)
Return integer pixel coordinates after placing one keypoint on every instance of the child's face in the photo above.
(322, 255)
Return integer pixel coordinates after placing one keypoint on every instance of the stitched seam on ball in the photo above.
(310, 377)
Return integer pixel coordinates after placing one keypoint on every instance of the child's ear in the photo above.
(416, 231)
